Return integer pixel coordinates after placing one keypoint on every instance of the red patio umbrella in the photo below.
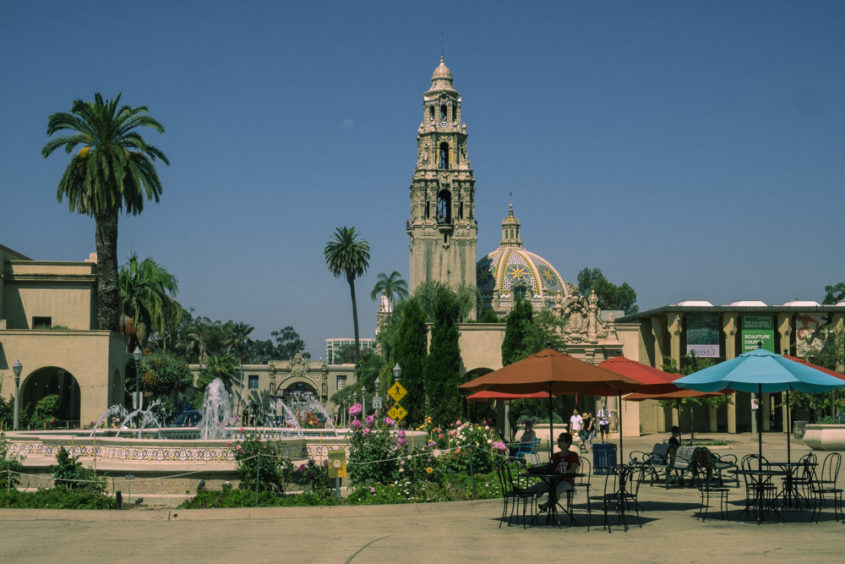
(652, 380)
(489, 395)
(554, 373)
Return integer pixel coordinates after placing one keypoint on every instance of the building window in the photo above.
(253, 381)
(444, 112)
(444, 207)
(443, 164)
(341, 382)
(431, 113)
(42, 322)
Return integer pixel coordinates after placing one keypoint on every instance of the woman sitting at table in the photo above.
(564, 462)
(527, 438)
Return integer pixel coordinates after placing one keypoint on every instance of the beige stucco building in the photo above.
(722, 332)
(47, 311)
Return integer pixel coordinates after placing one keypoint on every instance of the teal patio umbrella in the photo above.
(760, 371)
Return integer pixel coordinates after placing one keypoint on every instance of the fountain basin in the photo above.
(179, 445)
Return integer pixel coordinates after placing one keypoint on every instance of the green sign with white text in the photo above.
(758, 329)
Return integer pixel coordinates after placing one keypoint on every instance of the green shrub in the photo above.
(72, 475)
(373, 450)
(313, 477)
(10, 465)
(56, 498)
(229, 497)
(45, 413)
(262, 466)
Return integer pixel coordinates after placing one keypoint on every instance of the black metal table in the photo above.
(760, 483)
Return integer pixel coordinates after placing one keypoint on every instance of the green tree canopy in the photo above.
(114, 171)
(347, 255)
(442, 372)
(391, 286)
(410, 352)
(834, 294)
(147, 296)
(609, 294)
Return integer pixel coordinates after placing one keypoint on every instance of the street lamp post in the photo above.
(136, 354)
(397, 372)
(377, 396)
(363, 401)
(17, 367)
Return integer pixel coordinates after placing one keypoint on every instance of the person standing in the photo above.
(576, 423)
(589, 428)
(604, 422)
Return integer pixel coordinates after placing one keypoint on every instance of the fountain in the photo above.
(216, 411)
(147, 420)
(117, 411)
(290, 417)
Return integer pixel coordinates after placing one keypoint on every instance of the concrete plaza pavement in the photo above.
(443, 532)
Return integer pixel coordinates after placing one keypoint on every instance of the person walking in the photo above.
(576, 423)
(604, 422)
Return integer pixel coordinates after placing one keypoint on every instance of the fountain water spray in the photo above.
(216, 411)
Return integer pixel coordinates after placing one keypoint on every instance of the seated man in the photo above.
(675, 439)
(528, 436)
(564, 462)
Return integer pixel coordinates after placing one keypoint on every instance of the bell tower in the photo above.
(442, 229)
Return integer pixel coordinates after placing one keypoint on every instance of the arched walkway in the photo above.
(52, 380)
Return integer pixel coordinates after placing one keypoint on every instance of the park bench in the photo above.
(655, 462)
(681, 464)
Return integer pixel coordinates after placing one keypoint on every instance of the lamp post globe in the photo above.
(397, 372)
(17, 367)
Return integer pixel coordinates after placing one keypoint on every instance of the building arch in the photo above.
(52, 380)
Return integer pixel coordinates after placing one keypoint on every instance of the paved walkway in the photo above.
(447, 532)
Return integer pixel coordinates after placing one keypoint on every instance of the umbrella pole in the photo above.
(759, 428)
(619, 400)
(788, 428)
(678, 407)
(551, 424)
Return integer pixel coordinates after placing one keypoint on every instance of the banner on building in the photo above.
(703, 334)
(758, 329)
(810, 332)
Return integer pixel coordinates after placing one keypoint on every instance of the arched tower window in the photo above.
(444, 112)
(444, 207)
(431, 113)
(443, 163)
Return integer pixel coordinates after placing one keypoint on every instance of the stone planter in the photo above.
(825, 436)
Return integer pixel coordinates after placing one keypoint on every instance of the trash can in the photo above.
(604, 457)
(798, 429)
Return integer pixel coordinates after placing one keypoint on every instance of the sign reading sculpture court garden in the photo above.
(758, 329)
(703, 334)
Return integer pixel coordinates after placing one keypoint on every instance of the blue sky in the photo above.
(692, 149)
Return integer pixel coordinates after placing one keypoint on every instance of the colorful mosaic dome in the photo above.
(511, 266)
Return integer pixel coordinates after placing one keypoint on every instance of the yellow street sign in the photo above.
(337, 463)
(397, 391)
(397, 412)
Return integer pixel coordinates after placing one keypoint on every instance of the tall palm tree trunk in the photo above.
(108, 288)
(355, 318)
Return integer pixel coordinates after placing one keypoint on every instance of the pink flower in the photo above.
(356, 424)
(401, 433)
(228, 443)
(402, 442)
(373, 491)
(355, 409)
(389, 422)
(458, 422)
(366, 431)
(370, 420)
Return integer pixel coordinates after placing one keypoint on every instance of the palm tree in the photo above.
(147, 303)
(390, 286)
(237, 341)
(113, 171)
(346, 254)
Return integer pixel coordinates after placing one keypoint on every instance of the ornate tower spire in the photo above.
(510, 230)
(442, 228)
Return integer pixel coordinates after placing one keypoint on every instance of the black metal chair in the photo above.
(760, 492)
(708, 484)
(824, 486)
(582, 483)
